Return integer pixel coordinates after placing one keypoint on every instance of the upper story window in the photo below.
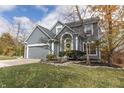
(88, 29)
(58, 29)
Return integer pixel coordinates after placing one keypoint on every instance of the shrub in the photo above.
(51, 57)
(9, 51)
(61, 54)
(72, 54)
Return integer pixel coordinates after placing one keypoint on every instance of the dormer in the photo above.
(57, 27)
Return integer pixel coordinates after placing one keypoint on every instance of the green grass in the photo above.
(6, 57)
(44, 75)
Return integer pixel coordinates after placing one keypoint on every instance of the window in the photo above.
(67, 44)
(88, 30)
(58, 29)
(91, 48)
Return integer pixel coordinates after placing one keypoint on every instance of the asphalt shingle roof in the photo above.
(75, 26)
(50, 33)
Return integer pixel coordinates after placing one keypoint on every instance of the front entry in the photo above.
(67, 42)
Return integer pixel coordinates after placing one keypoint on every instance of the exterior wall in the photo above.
(78, 29)
(56, 48)
(54, 27)
(36, 37)
(64, 31)
(80, 45)
(95, 31)
(74, 42)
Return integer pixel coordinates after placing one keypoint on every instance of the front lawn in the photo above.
(6, 57)
(44, 75)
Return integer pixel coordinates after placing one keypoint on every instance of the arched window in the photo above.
(67, 44)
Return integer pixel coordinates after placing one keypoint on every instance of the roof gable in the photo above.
(53, 29)
(47, 31)
(37, 36)
(41, 29)
(65, 26)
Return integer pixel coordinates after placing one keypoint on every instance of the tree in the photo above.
(7, 44)
(112, 24)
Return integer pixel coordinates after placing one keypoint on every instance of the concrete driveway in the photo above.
(6, 63)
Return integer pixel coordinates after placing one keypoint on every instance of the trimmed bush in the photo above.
(51, 57)
(62, 54)
(72, 54)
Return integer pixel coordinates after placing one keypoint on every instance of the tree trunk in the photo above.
(109, 19)
(110, 61)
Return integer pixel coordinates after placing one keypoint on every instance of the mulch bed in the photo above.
(100, 64)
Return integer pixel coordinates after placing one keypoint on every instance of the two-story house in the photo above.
(62, 37)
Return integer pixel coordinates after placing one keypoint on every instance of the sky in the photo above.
(29, 15)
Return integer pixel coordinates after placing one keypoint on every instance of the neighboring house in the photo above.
(63, 37)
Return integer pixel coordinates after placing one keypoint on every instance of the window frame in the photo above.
(60, 26)
(89, 48)
(87, 27)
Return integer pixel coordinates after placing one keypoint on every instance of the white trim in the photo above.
(60, 44)
(44, 32)
(52, 47)
(37, 26)
(62, 30)
(31, 33)
(94, 54)
(88, 44)
(55, 25)
(31, 45)
(49, 48)
(27, 51)
(76, 42)
(60, 26)
(91, 28)
(71, 37)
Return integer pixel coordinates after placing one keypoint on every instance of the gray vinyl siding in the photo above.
(37, 36)
(54, 28)
(63, 32)
(56, 49)
(80, 44)
(74, 42)
(95, 31)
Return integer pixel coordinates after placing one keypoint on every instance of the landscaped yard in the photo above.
(73, 75)
(6, 57)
